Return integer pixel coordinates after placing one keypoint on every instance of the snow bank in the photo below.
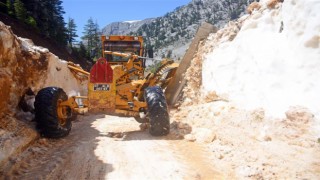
(253, 70)
(57, 72)
(273, 62)
(59, 75)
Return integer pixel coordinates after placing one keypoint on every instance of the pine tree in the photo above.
(89, 30)
(92, 38)
(57, 28)
(20, 10)
(48, 16)
(71, 31)
(10, 7)
(82, 50)
(96, 40)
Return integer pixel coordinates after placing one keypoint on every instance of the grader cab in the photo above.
(117, 85)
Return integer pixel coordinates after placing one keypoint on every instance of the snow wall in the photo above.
(273, 62)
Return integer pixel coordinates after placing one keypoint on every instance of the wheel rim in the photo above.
(62, 112)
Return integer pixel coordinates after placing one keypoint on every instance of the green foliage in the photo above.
(48, 16)
(95, 59)
(162, 36)
(92, 38)
(20, 10)
(156, 44)
(153, 68)
(83, 51)
(71, 31)
(45, 16)
(31, 21)
(10, 8)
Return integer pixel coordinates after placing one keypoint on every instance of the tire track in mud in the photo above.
(60, 158)
(110, 147)
(196, 156)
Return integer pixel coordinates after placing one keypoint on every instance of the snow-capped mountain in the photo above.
(171, 34)
(125, 27)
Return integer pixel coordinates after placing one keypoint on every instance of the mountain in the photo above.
(171, 34)
(118, 28)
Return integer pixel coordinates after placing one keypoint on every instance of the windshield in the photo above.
(122, 47)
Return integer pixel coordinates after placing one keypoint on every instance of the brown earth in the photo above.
(24, 70)
(110, 147)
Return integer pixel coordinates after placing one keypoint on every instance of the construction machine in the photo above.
(117, 85)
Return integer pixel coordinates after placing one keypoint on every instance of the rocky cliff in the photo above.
(171, 34)
(25, 69)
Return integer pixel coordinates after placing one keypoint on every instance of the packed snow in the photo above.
(133, 21)
(273, 62)
(58, 74)
(252, 94)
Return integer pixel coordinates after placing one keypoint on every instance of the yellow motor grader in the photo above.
(116, 85)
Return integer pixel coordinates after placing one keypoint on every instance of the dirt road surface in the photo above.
(110, 147)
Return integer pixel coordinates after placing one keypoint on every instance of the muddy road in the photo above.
(110, 147)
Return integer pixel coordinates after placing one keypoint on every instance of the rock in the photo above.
(258, 114)
(204, 135)
(267, 138)
(211, 96)
(217, 113)
(143, 126)
(273, 3)
(43, 141)
(181, 125)
(190, 137)
(299, 114)
(253, 7)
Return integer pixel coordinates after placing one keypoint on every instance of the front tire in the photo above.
(158, 111)
(46, 115)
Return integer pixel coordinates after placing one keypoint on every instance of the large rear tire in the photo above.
(158, 111)
(46, 115)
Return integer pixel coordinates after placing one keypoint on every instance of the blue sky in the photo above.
(107, 11)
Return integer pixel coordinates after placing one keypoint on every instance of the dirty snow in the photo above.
(255, 102)
(58, 73)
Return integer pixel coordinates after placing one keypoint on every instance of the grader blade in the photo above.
(177, 83)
